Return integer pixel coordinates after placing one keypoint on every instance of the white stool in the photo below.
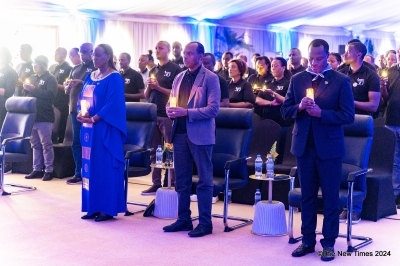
(166, 204)
(269, 219)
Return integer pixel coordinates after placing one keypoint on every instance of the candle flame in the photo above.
(384, 74)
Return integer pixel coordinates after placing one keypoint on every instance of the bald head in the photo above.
(86, 51)
(177, 49)
(60, 55)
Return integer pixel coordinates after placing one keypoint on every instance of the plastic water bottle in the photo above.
(270, 167)
(229, 196)
(257, 196)
(258, 166)
(159, 155)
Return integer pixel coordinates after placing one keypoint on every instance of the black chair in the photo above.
(265, 134)
(358, 141)
(141, 120)
(233, 134)
(64, 164)
(289, 160)
(380, 199)
(15, 134)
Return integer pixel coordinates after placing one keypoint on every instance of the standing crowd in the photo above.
(93, 91)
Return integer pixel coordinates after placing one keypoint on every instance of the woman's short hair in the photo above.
(241, 66)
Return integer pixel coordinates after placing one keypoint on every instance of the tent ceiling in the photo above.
(357, 15)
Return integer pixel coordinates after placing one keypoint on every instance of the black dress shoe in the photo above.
(47, 177)
(327, 254)
(178, 226)
(103, 217)
(92, 216)
(200, 231)
(34, 174)
(302, 250)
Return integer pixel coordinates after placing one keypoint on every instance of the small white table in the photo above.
(270, 216)
(166, 201)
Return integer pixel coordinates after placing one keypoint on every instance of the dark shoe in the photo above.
(103, 217)
(302, 250)
(398, 201)
(92, 216)
(34, 174)
(150, 191)
(178, 226)
(343, 216)
(200, 231)
(327, 254)
(75, 180)
(355, 218)
(47, 176)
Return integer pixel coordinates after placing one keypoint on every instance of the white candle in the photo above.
(172, 101)
(83, 107)
(310, 93)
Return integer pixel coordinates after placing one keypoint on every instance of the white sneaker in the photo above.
(214, 199)
(193, 197)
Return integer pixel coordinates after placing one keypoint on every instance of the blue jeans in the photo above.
(396, 161)
(76, 144)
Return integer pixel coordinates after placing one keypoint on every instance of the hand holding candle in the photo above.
(384, 74)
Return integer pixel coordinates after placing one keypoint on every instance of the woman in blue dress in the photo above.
(101, 107)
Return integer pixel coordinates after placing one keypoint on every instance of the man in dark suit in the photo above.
(197, 95)
(318, 143)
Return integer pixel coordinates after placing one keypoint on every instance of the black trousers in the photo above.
(315, 173)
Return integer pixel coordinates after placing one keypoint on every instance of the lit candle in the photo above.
(83, 107)
(27, 81)
(172, 101)
(264, 87)
(384, 74)
(310, 93)
(152, 76)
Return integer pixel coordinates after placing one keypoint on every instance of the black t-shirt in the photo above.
(345, 67)
(45, 91)
(297, 70)
(8, 80)
(179, 62)
(224, 88)
(183, 98)
(61, 73)
(24, 71)
(259, 81)
(274, 112)
(362, 81)
(165, 76)
(393, 101)
(133, 82)
(78, 72)
(224, 73)
(240, 92)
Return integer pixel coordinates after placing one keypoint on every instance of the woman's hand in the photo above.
(84, 119)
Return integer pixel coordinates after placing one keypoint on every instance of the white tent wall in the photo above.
(49, 27)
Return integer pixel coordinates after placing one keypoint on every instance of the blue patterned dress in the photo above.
(102, 145)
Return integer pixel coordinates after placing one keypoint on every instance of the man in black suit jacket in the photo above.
(318, 143)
